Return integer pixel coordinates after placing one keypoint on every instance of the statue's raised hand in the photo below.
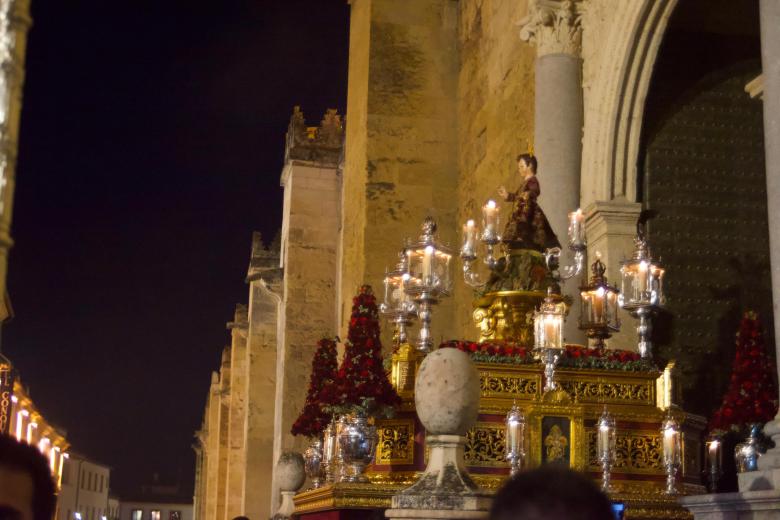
(502, 192)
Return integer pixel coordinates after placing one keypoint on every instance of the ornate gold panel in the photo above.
(602, 391)
(510, 385)
(485, 445)
(636, 452)
(556, 432)
(395, 442)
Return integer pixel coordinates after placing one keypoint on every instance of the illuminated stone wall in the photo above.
(264, 279)
(236, 441)
(495, 115)
(401, 144)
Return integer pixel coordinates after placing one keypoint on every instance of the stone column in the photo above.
(14, 23)
(223, 406)
(211, 419)
(554, 27)
(310, 232)
(236, 446)
(611, 228)
(265, 279)
(770, 61)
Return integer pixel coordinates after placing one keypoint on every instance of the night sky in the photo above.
(151, 147)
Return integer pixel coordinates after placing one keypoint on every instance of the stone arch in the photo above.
(615, 88)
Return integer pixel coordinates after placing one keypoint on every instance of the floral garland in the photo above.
(752, 393)
(361, 383)
(573, 356)
(313, 418)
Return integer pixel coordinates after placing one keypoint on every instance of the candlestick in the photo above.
(605, 447)
(468, 251)
(515, 438)
(576, 228)
(598, 305)
(490, 217)
(713, 463)
(672, 450)
(426, 264)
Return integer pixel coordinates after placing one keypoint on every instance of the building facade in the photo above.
(150, 510)
(84, 490)
(627, 106)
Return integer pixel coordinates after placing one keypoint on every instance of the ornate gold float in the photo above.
(561, 428)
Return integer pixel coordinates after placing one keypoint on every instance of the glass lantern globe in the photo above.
(671, 439)
(396, 281)
(514, 436)
(641, 279)
(429, 264)
(397, 305)
(599, 310)
(548, 324)
(548, 336)
(429, 278)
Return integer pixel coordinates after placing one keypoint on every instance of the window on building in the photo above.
(174, 515)
(154, 514)
(83, 479)
(137, 514)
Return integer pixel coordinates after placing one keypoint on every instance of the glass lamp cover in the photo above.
(606, 435)
(515, 432)
(548, 325)
(671, 439)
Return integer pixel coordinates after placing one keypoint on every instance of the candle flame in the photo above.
(491, 204)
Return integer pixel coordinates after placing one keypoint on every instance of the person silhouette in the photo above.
(27, 491)
(550, 492)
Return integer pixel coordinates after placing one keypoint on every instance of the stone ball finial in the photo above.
(290, 471)
(446, 392)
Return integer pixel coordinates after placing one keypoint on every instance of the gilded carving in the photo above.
(507, 385)
(599, 391)
(485, 445)
(635, 452)
(395, 443)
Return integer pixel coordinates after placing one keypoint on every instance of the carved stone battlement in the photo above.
(320, 144)
(264, 262)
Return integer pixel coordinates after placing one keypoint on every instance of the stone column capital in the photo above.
(554, 26)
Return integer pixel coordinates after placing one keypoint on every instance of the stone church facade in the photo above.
(628, 105)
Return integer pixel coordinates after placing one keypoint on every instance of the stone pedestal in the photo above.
(445, 490)
(750, 505)
(290, 475)
(287, 507)
(447, 402)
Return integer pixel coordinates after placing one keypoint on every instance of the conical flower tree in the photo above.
(313, 418)
(752, 392)
(362, 384)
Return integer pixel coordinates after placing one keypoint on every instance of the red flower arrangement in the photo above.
(361, 383)
(313, 418)
(752, 393)
(573, 356)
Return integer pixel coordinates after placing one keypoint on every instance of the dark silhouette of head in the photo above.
(241, 518)
(27, 491)
(529, 159)
(550, 493)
